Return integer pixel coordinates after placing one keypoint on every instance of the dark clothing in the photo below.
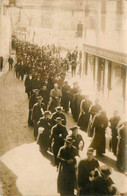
(76, 103)
(66, 181)
(84, 168)
(101, 186)
(65, 97)
(77, 140)
(37, 114)
(58, 114)
(28, 86)
(84, 115)
(10, 61)
(94, 109)
(57, 140)
(114, 122)
(99, 125)
(122, 149)
(45, 96)
(43, 139)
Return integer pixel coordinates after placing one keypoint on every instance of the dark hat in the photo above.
(58, 119)
(59, 108)
(39, 97)
(68, 139)
(47, 112)
(73, 128)
(90, 150)
(105, 170)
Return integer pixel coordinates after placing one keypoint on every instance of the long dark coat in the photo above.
(28, 84)
(84, 168)
(84, 116)
(99, 125)
(43, 139)
(77, 140)
(66, 181)
(114, 122)
(56, 140)
(122, 149)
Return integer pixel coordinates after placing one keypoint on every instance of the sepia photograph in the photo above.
(63, 97)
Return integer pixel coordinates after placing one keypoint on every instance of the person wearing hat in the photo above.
(58, 113)
(103, 184)
(43, 138)
(28, 84)
(78, 141)
(86, 168)
(67, 156)
(38, 110)
(58, 134)
(45, 95)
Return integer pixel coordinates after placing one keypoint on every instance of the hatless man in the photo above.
(86, 168)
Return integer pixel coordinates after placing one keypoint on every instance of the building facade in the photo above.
(104, 48)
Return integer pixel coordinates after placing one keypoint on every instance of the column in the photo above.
(96, 71)
(86, 64)
(109, 76)
(106, 78)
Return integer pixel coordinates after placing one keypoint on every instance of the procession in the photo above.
(56, 113)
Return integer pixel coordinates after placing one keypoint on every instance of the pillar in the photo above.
(106, 78)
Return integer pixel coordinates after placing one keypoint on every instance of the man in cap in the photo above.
(103, 184)
(45, 95)
(58, 113)
(78, 141)
(43, 137)
(58, 134)
(86, 168)
(38, 110)
(67, 156)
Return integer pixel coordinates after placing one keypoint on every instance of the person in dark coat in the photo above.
(122, 148)
(103, 184)
(114, 121)
(99, 126)
(10, 61)
(58, 113)
(65, 96)
(43, 137)
(78, 141)
(38, 110)
(86, 169)
(58, 134)
(74, 90)
(76, 103)
(94, 109)
(73, 67)
(66, 181)
(45, 95)
(28, 84)
(84, 115)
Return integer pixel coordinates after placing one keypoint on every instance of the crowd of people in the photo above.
(50, 97)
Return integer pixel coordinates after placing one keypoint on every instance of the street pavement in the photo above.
(35, 176)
